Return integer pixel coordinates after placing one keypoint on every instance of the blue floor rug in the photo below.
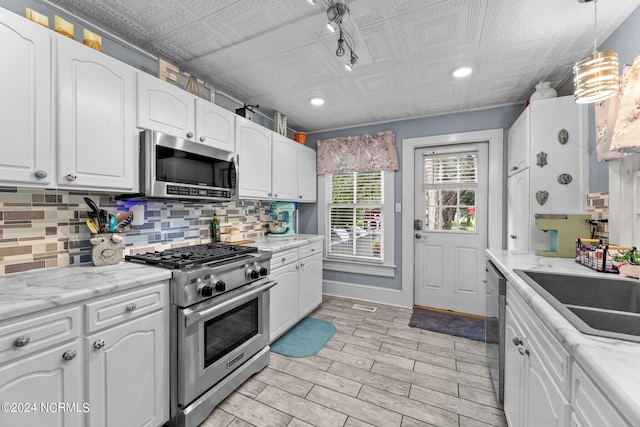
(305, 339)
(448, 323)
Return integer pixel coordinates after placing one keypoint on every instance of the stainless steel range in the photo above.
(219, 323)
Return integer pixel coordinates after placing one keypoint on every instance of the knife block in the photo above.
(106, 249)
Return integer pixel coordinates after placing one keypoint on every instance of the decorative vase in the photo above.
(543, 91)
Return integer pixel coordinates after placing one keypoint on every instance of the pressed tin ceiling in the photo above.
(279, 53)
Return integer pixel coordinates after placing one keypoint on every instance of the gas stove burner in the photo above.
(190, 256)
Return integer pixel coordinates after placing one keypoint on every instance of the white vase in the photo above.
(543, 91)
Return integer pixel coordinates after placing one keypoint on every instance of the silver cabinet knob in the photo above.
(517, 341)
(513, 236)
(514, 168)
(189, 134)
(71, 177)
(98, 344)
(284, 259)
(69, 355)
(40, 174)
(418, 235)
(300, 196)
(275, 195)
(23, 340)
(132, 306)
(203, 139)
(523, 351)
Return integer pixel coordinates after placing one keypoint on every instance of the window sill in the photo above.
(359, 268)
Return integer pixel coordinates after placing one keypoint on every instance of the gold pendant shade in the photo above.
(595, 78)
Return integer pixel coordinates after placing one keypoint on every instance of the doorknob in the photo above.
(418, 235)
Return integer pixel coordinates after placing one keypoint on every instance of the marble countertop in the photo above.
(614, 365)
(278, 244)
(35, 290)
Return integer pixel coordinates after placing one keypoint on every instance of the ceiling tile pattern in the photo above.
(278, 53)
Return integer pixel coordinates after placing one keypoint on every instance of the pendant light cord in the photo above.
(595, 26)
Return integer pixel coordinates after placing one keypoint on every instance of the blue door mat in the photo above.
(305, 339)
(448, 323)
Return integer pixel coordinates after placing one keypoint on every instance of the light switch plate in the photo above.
(398, 207)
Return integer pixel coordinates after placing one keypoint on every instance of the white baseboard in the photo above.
(363, 292)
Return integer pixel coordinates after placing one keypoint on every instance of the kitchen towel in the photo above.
(305, 339)
(448, 323)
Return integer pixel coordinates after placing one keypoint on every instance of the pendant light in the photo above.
(595, 77)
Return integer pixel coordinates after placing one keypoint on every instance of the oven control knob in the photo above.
(220, 286)
(253, 274)
(206, 291)
(264, 271)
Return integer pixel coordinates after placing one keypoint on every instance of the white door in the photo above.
(450, 228)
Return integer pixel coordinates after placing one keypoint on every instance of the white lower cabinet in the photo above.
(33, 387)
(126, 374)
(110, 370)
(533, 396)
(590, 406)
(299, 288)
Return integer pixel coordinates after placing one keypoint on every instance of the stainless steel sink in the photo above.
(605, 306)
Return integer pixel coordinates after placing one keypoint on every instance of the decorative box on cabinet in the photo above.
(97, 143)
(166, 108)
(27, 142)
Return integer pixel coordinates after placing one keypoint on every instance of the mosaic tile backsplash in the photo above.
(598, 207)
(46, 228)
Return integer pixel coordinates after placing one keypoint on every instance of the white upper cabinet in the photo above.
(215, 126)
(285, 169)
(168, 109)
(165, 108)
(518, 140)
(26, 125)
(96, 109)
(307, 177)
(253, 144)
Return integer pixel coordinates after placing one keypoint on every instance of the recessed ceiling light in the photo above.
(462, 72)
(316, 100)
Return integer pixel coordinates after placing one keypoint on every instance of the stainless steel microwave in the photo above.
(175, 168)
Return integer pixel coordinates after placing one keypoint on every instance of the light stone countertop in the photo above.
(279, 244)
(614, 365)
(31, 291)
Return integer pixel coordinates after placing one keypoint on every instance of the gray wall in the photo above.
(494, 118)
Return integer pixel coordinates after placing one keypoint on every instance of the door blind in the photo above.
(355, 223)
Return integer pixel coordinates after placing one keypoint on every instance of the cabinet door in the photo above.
(128, 374)
(546, 404)
(518, 143)
(253, 144)
(513, 372)
(97, 135)
(26, 127)
(165, 108)
(284, 173)
(283, 297)
(519, 219)
(45, 378)
(307, 177)
(309, 284)
(215, 126)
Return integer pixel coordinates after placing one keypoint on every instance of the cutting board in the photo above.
(239, 242)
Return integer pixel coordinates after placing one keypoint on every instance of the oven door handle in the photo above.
(193, 317)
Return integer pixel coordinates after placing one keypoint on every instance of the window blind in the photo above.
(355, 227)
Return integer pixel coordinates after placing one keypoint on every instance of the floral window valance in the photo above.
(364, 153)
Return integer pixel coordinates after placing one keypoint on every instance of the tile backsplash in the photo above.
(46, 228)
(598, 207)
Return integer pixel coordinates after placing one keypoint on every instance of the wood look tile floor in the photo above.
(375, 371)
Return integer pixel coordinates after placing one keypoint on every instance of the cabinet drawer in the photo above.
(547, 346)
(37, 332)
(591, 407)
(280, 259)
(111, 311)
(312, 249)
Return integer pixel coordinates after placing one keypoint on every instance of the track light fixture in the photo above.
(336, 11)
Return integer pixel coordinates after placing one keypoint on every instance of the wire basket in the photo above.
(597, 256)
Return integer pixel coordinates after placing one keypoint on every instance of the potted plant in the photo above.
(628, 263)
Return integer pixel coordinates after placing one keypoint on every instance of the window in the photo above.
(357, 226)
(449, 186)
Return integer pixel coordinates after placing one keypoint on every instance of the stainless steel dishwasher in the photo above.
(496, 306)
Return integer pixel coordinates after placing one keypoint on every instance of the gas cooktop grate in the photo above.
(189, 256)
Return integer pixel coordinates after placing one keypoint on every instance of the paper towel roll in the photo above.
(138, 214)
